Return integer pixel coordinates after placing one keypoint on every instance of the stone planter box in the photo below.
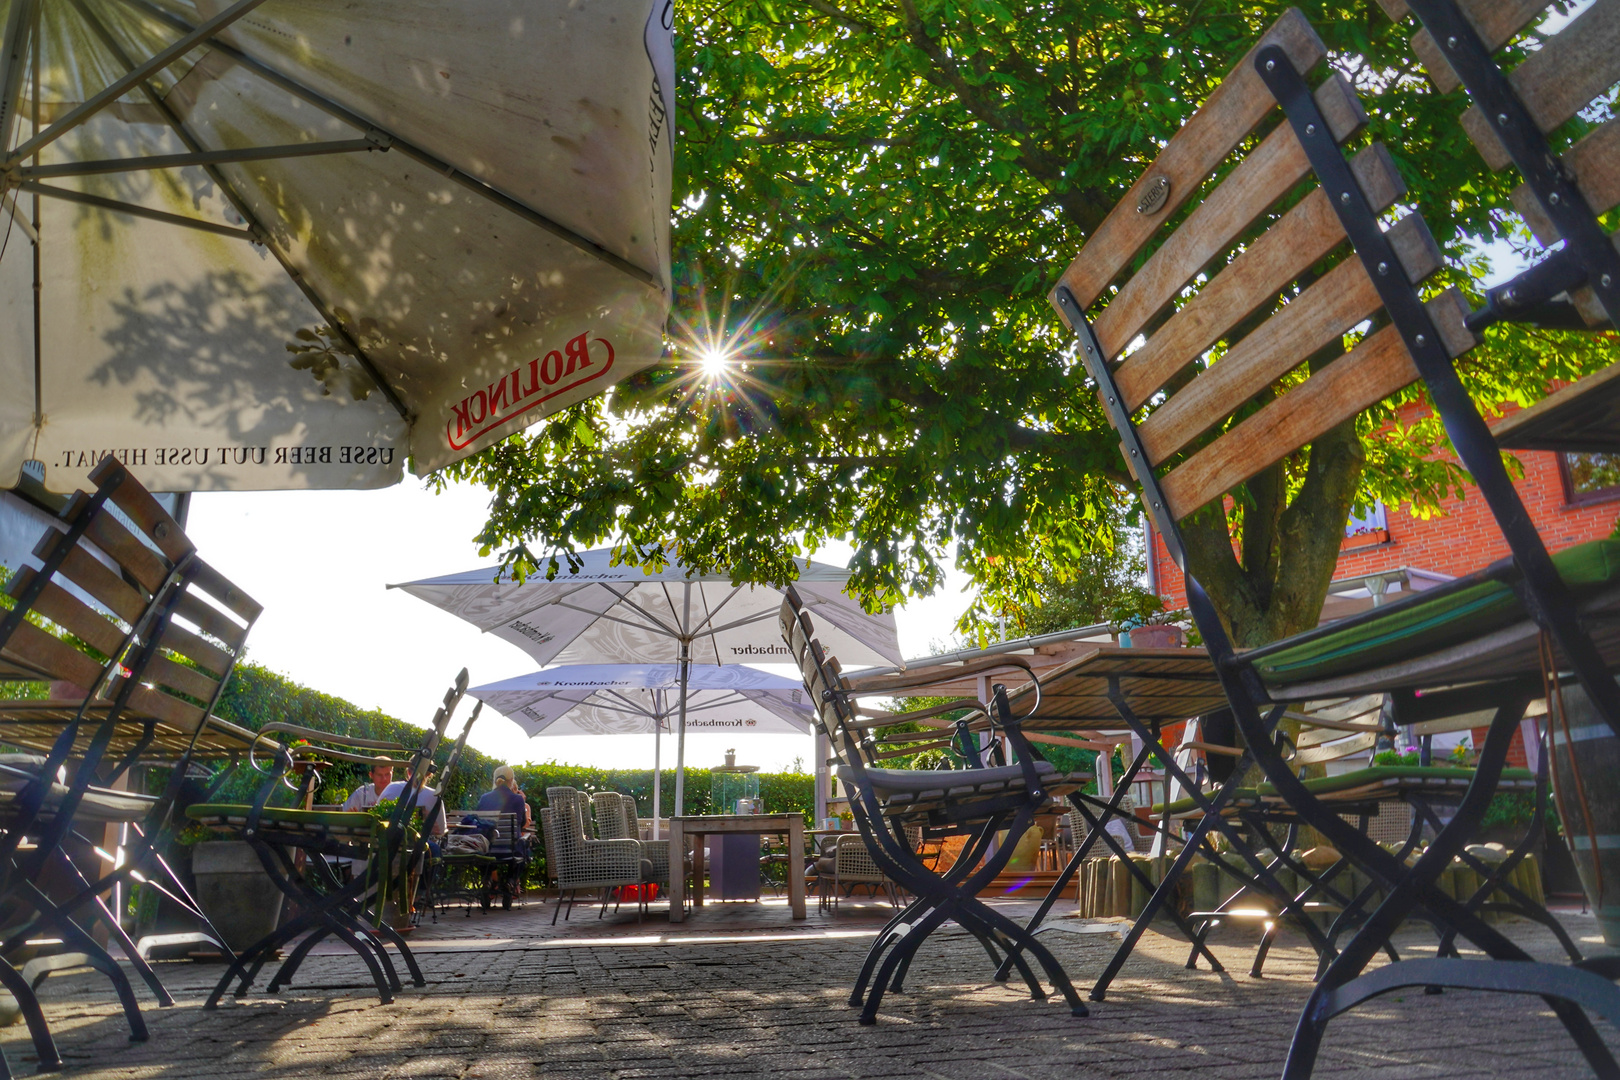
(235, 892)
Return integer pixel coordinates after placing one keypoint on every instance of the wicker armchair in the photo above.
(616, 820)
(577, 859)
(847, 862)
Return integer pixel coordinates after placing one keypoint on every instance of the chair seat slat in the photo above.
(1258, 181)
(1559, 79)
(1328, 309)
(1220, 124)
(1376, 368)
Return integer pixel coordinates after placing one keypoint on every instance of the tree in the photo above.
(875, 196)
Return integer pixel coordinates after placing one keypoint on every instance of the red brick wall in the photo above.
(1462, 539)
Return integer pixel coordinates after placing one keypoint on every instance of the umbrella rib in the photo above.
(206, 157)
(431, 161)
(525, 612)
(68, 195)
(137, 74)
(254, 225)
(19, 29)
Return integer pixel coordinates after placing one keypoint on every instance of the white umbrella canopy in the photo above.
(595, 611)
(639, 699)
(459, 217)
(630, 699)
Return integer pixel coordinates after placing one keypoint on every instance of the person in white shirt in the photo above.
(366, 796)
(427, 801)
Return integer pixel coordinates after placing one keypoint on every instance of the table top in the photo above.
(739, 823)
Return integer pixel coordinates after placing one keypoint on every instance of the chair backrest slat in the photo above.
(1595, 160)
(1559, 79)
(1221, 123)
(1271, 304)
(1325, 311)
(1496, 22)
(1376, 368)
(1258, 181)
(1334, 751)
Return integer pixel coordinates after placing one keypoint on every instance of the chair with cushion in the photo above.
(846, 862)
(616, 819)
(977, 803)
(1208, 380)
(297, 846)
(580, 861)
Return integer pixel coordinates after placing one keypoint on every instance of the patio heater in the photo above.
(734, 859)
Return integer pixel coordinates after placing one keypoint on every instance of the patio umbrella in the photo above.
(631, 699)
(597, 612)
(289, 243)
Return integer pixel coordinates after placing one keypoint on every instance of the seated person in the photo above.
(366, 796)
(427, 802)
(506, 798)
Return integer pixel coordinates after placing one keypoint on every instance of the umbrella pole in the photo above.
(658, 777)
(680, 732)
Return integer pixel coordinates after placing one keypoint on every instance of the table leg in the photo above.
(697, 869)
(795, 866)
(677, 871)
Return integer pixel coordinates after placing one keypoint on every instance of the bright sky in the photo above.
(319, 560)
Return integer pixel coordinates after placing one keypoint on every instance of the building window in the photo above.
(1590, 477)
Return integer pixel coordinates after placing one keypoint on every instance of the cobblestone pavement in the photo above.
(738, 990)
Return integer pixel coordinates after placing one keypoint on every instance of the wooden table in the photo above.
(696, 827)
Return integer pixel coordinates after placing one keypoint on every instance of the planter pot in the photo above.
(1586, 778)
(1157, 637)
(235, 892)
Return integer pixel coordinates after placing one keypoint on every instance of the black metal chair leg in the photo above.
(908, 944)
(405, 953)
(38, 1031)
(1266, 938)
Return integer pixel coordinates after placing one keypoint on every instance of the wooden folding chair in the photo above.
(1232, 382)
(976, 802)
(138, 637)
(295, 845)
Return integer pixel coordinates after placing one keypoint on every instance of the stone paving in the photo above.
(739, 990)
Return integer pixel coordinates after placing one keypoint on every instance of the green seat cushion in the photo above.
(326, 822)
(1187, 805)
(1419, 626)
(1397, 778)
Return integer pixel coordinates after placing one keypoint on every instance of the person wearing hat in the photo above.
(366, 796)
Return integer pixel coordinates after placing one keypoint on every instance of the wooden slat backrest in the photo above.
(1230, 345)
(1334, 751)
(1563, 73)
(108, 576)
(1225, 120)
(1559, 79)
